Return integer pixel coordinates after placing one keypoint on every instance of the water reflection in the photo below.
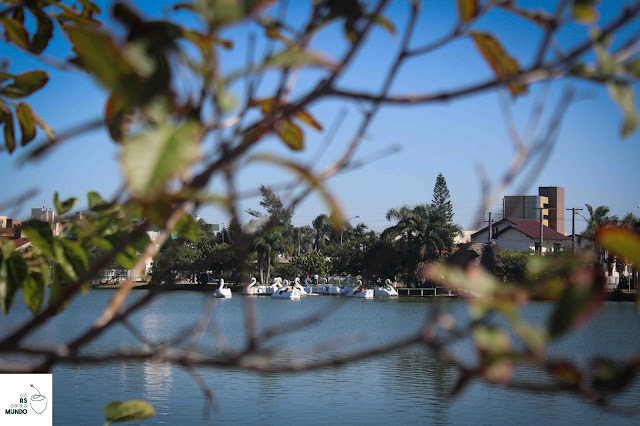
(405, 387)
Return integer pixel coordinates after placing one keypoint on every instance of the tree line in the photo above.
(421, 233)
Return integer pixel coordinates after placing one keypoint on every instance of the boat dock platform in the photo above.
(426, 292)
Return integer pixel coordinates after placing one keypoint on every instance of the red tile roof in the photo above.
(19, 242)
(531, 228)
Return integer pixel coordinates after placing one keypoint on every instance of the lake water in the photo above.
(406, 387)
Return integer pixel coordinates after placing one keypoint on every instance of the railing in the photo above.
(426, 292)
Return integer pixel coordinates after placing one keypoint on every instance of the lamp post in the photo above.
(632, 273)
(345, 222)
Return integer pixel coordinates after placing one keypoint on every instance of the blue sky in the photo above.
(589, 160)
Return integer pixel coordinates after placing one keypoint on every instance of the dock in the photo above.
(426, 292)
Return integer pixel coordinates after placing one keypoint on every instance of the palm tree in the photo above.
(322, 228)
(268, 245)
(597, 217)
(420, 234)
(631, 221)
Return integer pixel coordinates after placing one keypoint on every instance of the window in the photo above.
(556, 247)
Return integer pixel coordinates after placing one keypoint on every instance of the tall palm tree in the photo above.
(420, 234)
(597, 217)
(268, 246)
(322, 228)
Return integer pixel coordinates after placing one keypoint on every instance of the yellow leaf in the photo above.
(290, 134)
(467, 9)
(308, 119)
(622, 242)
(503, 65)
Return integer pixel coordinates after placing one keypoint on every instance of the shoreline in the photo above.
(612, 296)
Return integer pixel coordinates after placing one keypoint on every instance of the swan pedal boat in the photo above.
(253, 290)
(386, 291)
(222, 292)
(277, 283)
(360, 292)
(286, 292)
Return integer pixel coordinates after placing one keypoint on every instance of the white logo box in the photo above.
(26, 399)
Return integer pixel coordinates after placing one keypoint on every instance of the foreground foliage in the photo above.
(149, 114)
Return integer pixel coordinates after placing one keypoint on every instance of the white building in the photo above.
(523, 235)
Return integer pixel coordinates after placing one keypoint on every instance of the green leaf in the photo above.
(58, 288)
(467, 10)
(63, 262)
(295, 56)
(40, 235)
(224, 12)
(152, 157)
(99, 55)
(94, 200)
(584, 11)
(27, 125)
(622, 94)
(577, 303)
(25, 84)
(503, 65)
(118, 411)
(15, 31)
(385, 23)
(290, 134)
(227, 101)
(64, 206)
(633, 67)
(16, 272)
(491, 340)
(9, 133)
(33, 292)
(75, 254)
(44, 30)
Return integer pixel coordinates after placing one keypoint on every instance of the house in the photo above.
(523, 235)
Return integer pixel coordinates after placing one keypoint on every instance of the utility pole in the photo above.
(541, 230)
(541, 240)
(573, 229)
(298, 242)
(490, 227)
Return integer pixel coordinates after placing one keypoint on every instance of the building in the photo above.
(10, 228)
(523, 235)
(550, 199)
(555, 205)
(48, 216)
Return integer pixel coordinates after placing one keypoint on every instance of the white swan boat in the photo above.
(385, 291)
(359, 291)
(308, 286)
(297, 285)
(222, 292)
(277, 283)
(253, 289)
(286, 292)
(348, 287)
(332, 289)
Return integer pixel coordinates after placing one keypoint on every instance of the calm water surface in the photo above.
(407, 387)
